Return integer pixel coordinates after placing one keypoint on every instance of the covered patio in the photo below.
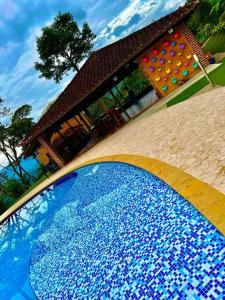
(98, 100)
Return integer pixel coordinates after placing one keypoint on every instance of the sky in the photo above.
(21, 22)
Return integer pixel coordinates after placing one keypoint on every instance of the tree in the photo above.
(62, 46)
(47, 107)
(11, 135)
(207, 19)
(218, 7)
(4, 111)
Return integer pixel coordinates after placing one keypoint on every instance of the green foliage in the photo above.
(220, 28)
(20, 125)
(13, 188)
(47, 107)
(62, 46)
(11, 136)
(207, 30)
(222, 17)
(206, 18)
(135, 82)
(96, 109)
(215, 44)
(218, 7)
(4, 111)
(4, 203)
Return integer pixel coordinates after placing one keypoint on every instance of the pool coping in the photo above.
(206, 199)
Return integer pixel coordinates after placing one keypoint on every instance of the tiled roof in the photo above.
(103, 63)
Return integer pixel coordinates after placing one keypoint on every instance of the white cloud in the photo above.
(140, 7)
(24, 80)
(148, 11)
(171, 5)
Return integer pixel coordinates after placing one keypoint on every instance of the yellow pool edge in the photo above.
(206, 199)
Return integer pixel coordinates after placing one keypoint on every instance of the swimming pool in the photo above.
(114, 231)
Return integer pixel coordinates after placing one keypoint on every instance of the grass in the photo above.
(217, 76)
(215, 44)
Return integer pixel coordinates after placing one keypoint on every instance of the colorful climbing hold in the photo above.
(189, 56)
(176, 71)
(162, 61)
(173, 43)
(166, 78)
(174, 80)
(159, 69)
(156, 51)
(164, 87)
(182, 46)
(158, 78)
(154, 59)
(163, 52)
(152, 69)
(145, 59)
(195, 65)
(169, 61)
(177, 35)
(186, 63)
(180, 53)
(166, 44)
(179, 63)
(168, 70)
(185, 72)
(172, 53)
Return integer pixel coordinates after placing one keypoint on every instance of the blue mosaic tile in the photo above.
(121, 233)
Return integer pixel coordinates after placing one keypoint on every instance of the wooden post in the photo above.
(83, 120)
(51, 151)
(71, 127)
(119, 92)
(40, 164)
(58, 131)
(119, 104)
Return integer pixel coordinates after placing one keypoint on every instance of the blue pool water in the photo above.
(112, 232)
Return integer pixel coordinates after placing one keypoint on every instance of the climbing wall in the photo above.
(169, 63)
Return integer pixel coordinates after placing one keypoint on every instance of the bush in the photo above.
(222, 17)
(13, 188)
(220, 28)
(207, 30)
(215, 44)
(4, 203)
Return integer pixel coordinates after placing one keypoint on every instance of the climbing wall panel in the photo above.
(169, 62)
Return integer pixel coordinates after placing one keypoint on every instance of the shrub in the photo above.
(13, 188)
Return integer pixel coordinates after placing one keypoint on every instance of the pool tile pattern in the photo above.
(125, 234)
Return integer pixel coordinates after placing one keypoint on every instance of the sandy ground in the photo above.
(189, 135)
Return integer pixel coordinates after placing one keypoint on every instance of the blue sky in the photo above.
(21, 22)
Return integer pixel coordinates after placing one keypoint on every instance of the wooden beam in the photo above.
(119, 104)
(71, 127)
(85, 122)
(51, 151)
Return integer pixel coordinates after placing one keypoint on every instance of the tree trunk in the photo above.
(18, 173)
(76, 68)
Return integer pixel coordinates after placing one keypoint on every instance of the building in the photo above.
(163, 50)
